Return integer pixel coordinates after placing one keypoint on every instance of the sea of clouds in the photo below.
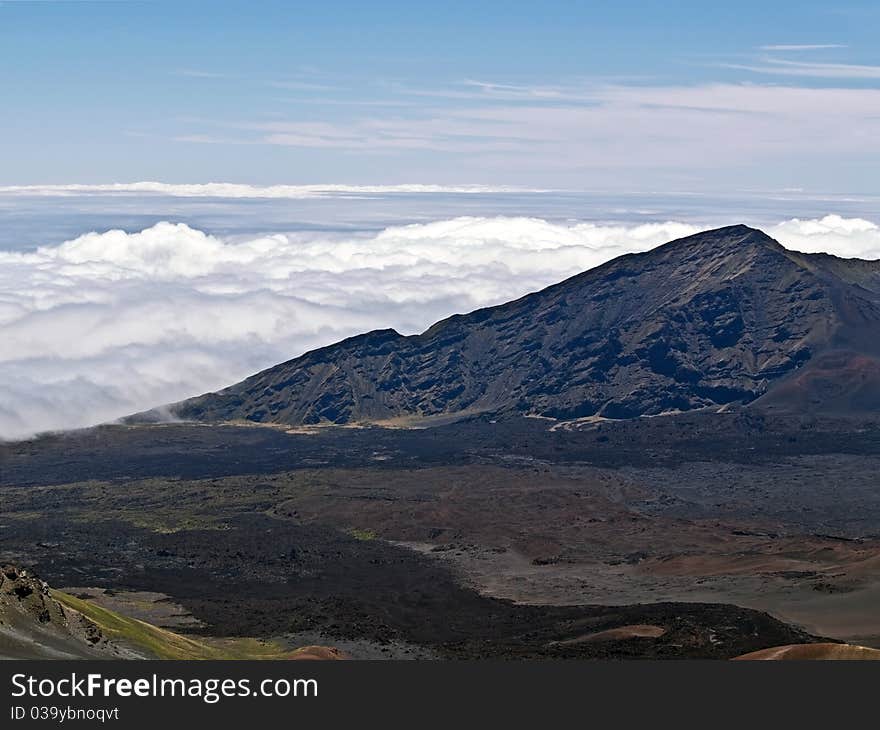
(114, 322)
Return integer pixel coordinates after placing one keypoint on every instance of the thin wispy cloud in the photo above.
(313, 81)
(623, 127)
(241, 191)
(786, 67)
(303, 86)
(516, 91)
(212, 139)
(802, 47)
(330, 101)
(490, 91)
(195, 73)
(578, 125)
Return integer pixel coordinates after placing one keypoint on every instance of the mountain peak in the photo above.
(712, 319)
(737, 228)
(727, 239)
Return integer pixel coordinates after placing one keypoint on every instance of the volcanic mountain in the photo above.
(727, 316)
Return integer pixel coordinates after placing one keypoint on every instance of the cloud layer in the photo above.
(238, 191)
(110, 323)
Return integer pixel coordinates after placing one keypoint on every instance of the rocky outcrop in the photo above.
(34, 625)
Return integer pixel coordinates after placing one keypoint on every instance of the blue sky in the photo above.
(610, 96)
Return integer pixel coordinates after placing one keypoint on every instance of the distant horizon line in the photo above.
(305, 191)
(247, 190)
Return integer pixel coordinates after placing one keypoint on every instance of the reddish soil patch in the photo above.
(632, 631)
(802, 652)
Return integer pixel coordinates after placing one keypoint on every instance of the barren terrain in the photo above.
(480, 538)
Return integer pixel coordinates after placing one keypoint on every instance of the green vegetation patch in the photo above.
(164, 644)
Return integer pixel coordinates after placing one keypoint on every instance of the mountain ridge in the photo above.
(712, 319)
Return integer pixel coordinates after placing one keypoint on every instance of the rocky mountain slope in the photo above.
(725, 316)
(35, 625)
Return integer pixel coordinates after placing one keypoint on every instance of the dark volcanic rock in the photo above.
(725, 316)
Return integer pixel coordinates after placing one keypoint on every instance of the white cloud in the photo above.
(847, 237)
(235, 190)
(111, 323)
